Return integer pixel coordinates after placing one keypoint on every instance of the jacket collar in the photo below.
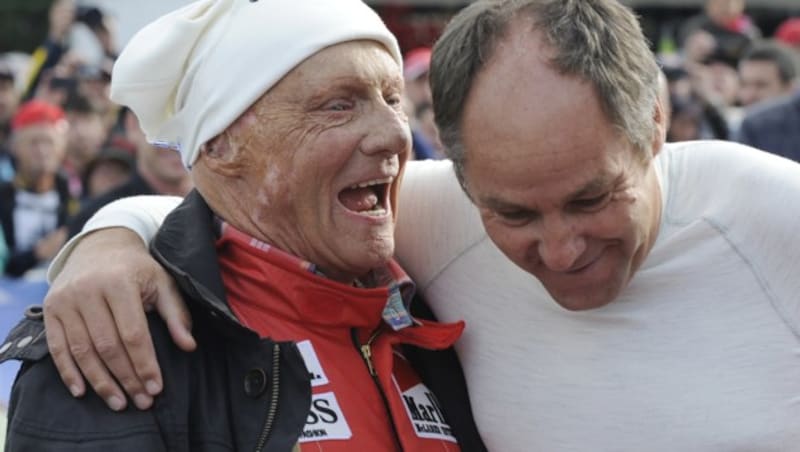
(184, 245)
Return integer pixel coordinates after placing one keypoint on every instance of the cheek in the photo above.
(270, 185)
(515, 243)
(624, 223)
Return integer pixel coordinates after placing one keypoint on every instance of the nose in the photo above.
(387, 131)
(560, 245)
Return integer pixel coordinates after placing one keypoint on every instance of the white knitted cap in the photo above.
(190, 74)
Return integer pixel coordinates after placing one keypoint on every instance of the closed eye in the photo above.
(339, 105)
(516, 217)
(594, 202)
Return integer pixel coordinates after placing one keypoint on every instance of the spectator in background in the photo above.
(77, 36)
(57, 86)
(36, 204)
(416, 66)
(774, 127)
(715, 83)
(94, 83)
(47, 56)
(9, 101)
(732, 30)
(426, 126)
(86, 135)
(686, 120)
(158, 171)
(110, 169)
(766, 71)
(101, 26)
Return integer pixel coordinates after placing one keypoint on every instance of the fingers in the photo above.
(59, 350)
(96, 312)
(79, 348)
(110, 335)
(173, 310)
(141, 365)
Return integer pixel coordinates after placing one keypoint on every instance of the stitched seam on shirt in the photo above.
(762, 282)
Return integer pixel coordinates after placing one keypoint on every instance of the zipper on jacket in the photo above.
(366, 355)
(272, 411)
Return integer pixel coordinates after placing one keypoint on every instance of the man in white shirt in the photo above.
(664, 314)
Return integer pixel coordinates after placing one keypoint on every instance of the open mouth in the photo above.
(367, 198)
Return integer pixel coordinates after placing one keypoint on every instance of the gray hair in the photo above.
(597, 40)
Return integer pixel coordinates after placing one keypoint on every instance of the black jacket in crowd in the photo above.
(135, 186)
(236, 392)
(20, 261)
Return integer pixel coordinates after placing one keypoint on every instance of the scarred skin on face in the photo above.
(561, 192)
(286, 171)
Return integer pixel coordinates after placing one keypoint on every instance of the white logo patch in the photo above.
(325, 421)
(318, 377)
(426, 415)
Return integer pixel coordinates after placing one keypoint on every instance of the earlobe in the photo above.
(660, 132)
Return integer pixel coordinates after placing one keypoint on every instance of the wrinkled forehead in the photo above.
(361, 62)
(35, 132)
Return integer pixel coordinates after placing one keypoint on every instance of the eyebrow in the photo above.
(593, 186)
(498, 204)
(590, 188)
(350, 83)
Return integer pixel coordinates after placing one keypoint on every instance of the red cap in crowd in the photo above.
(789, 32)
(417, 63)
(36, 112)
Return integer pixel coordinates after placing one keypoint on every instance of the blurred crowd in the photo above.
(724, 77)
(66, 149)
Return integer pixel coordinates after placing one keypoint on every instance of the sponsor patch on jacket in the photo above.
(426, 414)
(318, 377)
(325, 420)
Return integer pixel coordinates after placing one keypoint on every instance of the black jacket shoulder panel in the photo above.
(27, 340)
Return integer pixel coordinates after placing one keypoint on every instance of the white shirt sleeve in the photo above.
(436, 221)
(141, 214)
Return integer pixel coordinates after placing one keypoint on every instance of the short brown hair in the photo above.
(600, 41)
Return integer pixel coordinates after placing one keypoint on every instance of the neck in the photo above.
(228, 201)
(37, 184)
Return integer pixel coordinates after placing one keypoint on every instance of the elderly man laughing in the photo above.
(284, 250)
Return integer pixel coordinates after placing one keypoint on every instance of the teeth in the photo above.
(378, 212)
(385, 180)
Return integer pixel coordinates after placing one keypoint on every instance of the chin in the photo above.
(584, 300)
(581, 303)
(379, 253)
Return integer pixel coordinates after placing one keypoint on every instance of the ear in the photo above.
(660, 133)
(221, 155)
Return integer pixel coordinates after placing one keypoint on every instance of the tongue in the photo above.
(359, 199)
